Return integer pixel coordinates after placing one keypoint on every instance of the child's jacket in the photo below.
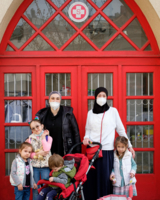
(38, 143)
(126, 169)
(65, 174)
(18, 172)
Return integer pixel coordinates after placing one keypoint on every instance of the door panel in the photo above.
(62, 79)
(140, 119)
(18, 103)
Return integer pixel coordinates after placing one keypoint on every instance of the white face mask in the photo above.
(101, 101)
(55, 105)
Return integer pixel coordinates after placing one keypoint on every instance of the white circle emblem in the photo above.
(78, 12)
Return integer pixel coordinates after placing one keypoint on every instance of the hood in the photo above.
(69, 163)
(126, 154)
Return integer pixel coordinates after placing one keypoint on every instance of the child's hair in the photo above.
(121, 139)
(24, 145)
(36, 119)
(55, 161)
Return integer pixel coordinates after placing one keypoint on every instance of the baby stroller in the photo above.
(75, 190)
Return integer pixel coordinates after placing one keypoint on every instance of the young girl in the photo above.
(124, 168)
(41, 142)
(21, 176)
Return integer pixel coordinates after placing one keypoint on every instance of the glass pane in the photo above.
(100, 80)
(9, 48)
(144, 162)
(139, 84)
(90, 8)
(99, 31)
(91, 104)
(58, 31)
(21, 33)
(15, 135)
(58, 82)
(18, 111)
(79, 44)
(9, 157)
(58, 3)
(39, 12)
(136, 33)
(141, 136)
(119, 44)
(148, 48)
(64, 102)
(17, 85)
(140, 110)
(118, 11)
(38, 44)
(99, 3)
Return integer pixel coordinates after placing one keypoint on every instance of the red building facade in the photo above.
(44, 50)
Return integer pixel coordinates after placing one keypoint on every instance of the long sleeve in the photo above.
(47, 144)
(87, 128)
(62, 178)
(14, 173)
(133, 166)
(75, 132)
(120, 128)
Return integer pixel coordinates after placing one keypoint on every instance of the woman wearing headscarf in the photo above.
(98, 182)
(62, 125)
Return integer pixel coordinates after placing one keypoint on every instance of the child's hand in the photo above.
(46, 132)
(20, 187)
(131, 175)
(35, 186)
(51, 179)
(112, 176)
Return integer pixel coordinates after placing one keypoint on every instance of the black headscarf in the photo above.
(97, 108)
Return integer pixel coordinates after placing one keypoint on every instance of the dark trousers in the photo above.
(47, 193)
(98, 182)
(22, 194)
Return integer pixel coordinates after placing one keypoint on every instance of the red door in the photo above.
(18, 103)
(141, 118)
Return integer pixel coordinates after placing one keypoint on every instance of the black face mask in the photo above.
(97, 108)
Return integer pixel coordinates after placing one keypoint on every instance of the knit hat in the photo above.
(55, 92)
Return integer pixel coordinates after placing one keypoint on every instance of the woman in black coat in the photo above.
(62, 125)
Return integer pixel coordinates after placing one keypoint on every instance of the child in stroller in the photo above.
(63, 172)
(75, 190)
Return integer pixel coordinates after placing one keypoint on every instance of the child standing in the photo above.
(41, 142)
(21, 176)
(124, 168)
(63, 172)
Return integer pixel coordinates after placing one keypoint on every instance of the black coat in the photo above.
(70, 131)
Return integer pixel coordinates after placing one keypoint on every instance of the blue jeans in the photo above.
(38, 173)
(22, 194)
(47, 193)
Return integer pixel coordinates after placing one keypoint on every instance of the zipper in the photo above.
(63, 133)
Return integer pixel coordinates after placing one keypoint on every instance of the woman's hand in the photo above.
(46, 132)
(86, 141)
(42, 153)
(132, 151)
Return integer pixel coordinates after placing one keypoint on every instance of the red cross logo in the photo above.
(78, 12)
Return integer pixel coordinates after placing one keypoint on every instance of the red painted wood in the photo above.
(79, 64)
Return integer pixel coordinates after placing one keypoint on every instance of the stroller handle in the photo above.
(70, 151)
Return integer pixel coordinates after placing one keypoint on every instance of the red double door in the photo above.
(132, 90)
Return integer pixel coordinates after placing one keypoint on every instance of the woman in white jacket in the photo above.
(98, 183)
